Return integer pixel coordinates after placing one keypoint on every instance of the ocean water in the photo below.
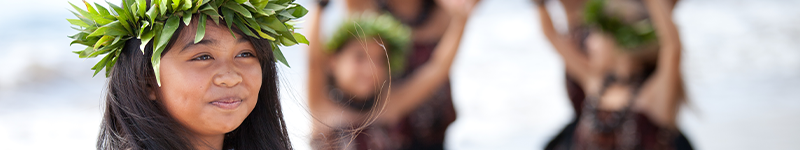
(741, 65)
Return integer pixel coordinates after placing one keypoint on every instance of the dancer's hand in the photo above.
(458, 8)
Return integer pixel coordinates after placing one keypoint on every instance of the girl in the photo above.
(210, 86)
(631, 76)
(350, 87)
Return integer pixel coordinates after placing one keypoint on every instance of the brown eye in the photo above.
(245, 54)
(203, 57)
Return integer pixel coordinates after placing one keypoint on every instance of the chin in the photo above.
(229, 123)
(226, 127)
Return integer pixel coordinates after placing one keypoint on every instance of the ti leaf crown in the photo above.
(105, 31)
(393, 35)
(628, 35)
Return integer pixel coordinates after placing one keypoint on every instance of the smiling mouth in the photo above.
(227, 103)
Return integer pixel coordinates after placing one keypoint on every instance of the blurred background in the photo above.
(741, 65)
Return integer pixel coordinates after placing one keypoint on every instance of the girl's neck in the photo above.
(209, 142)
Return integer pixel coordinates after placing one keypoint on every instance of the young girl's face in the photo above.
(602, 50)
(210, 87)
(360, 68)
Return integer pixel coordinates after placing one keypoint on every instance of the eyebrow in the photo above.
(241, 40)
(210, 42)
(202, 42)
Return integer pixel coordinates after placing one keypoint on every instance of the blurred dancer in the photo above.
(348, 85)
(631, 75)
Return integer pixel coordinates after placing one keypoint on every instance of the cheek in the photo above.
(345, 70)
(379, 72)
(598, 50)
(182, 91)
(253, 79)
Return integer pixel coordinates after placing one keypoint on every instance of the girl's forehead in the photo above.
(369, 45)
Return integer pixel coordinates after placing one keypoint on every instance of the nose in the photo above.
(227, 79)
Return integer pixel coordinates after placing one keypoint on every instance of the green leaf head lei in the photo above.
(630, 35)
(393, 35)
(105, 31)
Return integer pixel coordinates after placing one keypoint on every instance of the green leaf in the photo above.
(187, 18)
(128, 3)
(175, 4)
(144, 26)
(85, 53)
(120, 11)
(228, 15)
(253, 9)
(113, 28)
(252, 23)
(123, 19)
(201, 29)
(105, 40)
(244, 28)
(157, 27)
(287, 15)
(268, 29)
(299, 11)
(96, 18)
(287, 41)
(78, 22)
(288, 36)
(88, 21)
(142, 7)
(104, 12)
(163, 6)
(211, 12)
(300, 38)
(145, 38)
(91, 9)
(197, 4)
(166, 34)
(259, 4)
(275, 7)
(241, 1)
(216, 4)
(279, 55)
(81, 39)
(187, 4)
(81, 11)
(238, 8)
(106, 49)
(99, 66)
(152, 14)
(110, 64)
(273, 23)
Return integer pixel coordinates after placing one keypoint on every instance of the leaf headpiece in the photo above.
(627, 35)
(106, 31)
(394, 36)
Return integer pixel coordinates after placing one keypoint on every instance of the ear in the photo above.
(151, 93)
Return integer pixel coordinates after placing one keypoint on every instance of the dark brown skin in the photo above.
(212, 86)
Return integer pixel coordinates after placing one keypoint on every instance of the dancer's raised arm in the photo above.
(663, 94)
(576, 63)
(316, 62)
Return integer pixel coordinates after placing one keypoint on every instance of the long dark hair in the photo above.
(133, 121)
